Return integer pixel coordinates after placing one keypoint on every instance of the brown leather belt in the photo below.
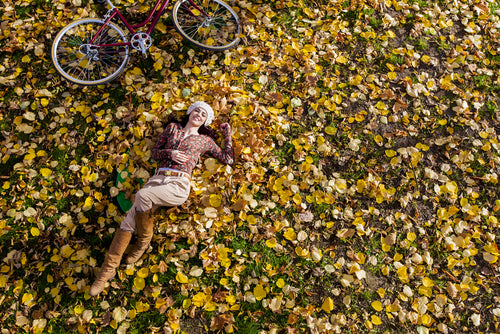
(172, 173)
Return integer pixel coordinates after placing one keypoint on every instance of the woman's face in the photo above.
(198, 116)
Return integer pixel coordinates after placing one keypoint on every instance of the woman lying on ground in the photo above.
(177, 152)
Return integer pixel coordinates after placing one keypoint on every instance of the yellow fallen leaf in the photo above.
(309, 12)
(259, 292)
(67, 251)
(215, 200)
(35, 231)
(297, 199)
(3, 281)
(427, 282)
(330, 130)
(139, 283)
(79, 309)
(377, 306)
(199, 299)
(290, 234)
(254, 67)
(302, 252)
(327, 305)
(93, 177)
(196, 70)
(426, 59)
(452, 187)
(425, 291)
(271, 243)
(89, 201)
(360, 185)
(27, 297)
(143, 272)
(376, 320)
(341, 59)
(45, 172)
(403, 274)
(390, 153)
(210, 306)
(181, 277)
(187, 303)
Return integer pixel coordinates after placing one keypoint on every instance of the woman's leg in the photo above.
(112, 260)
(144, 228)
(159, 191)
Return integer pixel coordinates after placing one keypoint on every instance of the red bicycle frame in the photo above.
(131, 28)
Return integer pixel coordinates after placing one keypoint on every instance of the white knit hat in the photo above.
(204, 106)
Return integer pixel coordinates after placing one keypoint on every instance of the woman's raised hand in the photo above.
(179, 156)
(226, 129)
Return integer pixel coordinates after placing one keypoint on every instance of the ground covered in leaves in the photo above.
(364, 196)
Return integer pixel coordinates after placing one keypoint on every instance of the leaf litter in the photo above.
(364, 196)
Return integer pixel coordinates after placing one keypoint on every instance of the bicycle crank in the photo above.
(141, 41)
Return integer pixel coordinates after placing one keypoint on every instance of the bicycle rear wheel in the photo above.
(209, 24)
(85, 63)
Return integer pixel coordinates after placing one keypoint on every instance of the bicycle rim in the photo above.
(87, 64)
(220, 30)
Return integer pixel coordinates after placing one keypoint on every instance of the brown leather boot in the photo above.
(112, 260)
(144, 225)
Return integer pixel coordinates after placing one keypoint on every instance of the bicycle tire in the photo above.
(70, 52)
(219, 31)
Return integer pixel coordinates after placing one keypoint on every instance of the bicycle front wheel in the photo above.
(85, 62)
(209, 24)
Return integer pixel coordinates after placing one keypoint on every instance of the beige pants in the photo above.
(160, 190)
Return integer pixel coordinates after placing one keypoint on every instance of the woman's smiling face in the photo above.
(198, 116)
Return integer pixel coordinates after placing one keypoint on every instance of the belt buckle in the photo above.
(172, 173)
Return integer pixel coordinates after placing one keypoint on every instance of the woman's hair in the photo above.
(203, 130)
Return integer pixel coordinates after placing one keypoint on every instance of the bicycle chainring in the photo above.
(141, 41)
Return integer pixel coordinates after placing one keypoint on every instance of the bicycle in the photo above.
(95, 51)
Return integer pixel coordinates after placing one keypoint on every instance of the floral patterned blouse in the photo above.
(194, 146)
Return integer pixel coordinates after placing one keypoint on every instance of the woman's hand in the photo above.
(179, 156)
(226, 129)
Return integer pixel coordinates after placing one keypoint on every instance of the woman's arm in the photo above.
(158, 153)
(225, 155)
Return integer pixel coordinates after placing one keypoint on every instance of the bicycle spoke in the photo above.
(71, 69)
(80, 72)
(109, 63)
(101, 70)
